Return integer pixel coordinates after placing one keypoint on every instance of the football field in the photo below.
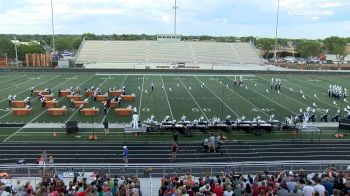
(192, 95)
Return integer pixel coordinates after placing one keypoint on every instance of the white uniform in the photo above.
(306, 119)
(135, 121)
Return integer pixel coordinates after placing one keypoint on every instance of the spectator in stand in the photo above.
(319, 187)
(228, 191)
(308, 190)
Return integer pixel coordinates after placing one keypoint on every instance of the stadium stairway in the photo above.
(188, 152)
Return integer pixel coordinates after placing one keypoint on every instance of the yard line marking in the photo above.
(77, 109)
(143, 82)
(37, 115)
(252, 104)
(26, 90)
(16, 84)
(193, 98)
(222, 101)
(335, 82)
(166, 95)
(311, 85)
(6, 81)
(110, 107)
(288, 96)
(245, 99)
(34, 98)
(23, 127)
(271, 99)
(312, 97)
(173, 74)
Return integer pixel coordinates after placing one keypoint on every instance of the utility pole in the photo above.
(276, 35)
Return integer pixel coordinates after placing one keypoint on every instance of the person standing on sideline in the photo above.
(125, 154)
(152, 86)
(174, 149)
(105, 108)
(175, 137)
(105, 125)
(44, 155)
(31, 90)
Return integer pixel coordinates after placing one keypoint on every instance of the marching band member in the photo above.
(9, 98)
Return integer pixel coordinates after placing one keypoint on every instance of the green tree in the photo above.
(309, 48)
(337, 46)
(89, 36)
(6, 46)
(266, 45)
(29, 49)
(63, 43)
(76, 43)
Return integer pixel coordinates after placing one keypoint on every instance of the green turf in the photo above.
(214, 99)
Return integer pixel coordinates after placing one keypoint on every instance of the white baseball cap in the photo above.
(124, 147)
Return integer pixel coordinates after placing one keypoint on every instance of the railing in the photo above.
(158, 170)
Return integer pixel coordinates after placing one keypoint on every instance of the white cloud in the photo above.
(330, 4)
(223, 17)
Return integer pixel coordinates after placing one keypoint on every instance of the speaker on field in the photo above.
(344, 124)
(72, 127)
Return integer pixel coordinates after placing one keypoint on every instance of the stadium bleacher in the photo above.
(94, 53)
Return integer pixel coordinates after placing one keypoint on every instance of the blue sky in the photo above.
(298, 18)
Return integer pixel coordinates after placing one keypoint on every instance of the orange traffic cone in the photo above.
(54, 133)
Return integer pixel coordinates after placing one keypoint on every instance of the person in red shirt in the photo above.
(218, 190)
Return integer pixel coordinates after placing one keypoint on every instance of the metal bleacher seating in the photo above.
(93, 53)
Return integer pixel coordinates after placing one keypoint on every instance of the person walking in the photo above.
(125, 154)
(174, 149)
(175, 137)
(105, 125)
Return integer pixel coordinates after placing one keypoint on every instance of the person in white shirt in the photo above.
(228, 191)
(319, 188)
(308, 190)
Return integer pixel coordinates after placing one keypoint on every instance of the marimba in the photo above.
(74, 97)
(77, 104)
(21, 111)
(112, 104)
(101, 97)
(116, 93)
(89, 93)
(64, 93)
(123, 111)
(48, 97)
(19, 104)
(57, 111)
(128, 98)
(43, 92)
(51, 104)
(89, 111)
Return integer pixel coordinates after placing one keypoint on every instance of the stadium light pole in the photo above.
(16, 51)
(53, 30)
(276, 32)
(175, 14)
